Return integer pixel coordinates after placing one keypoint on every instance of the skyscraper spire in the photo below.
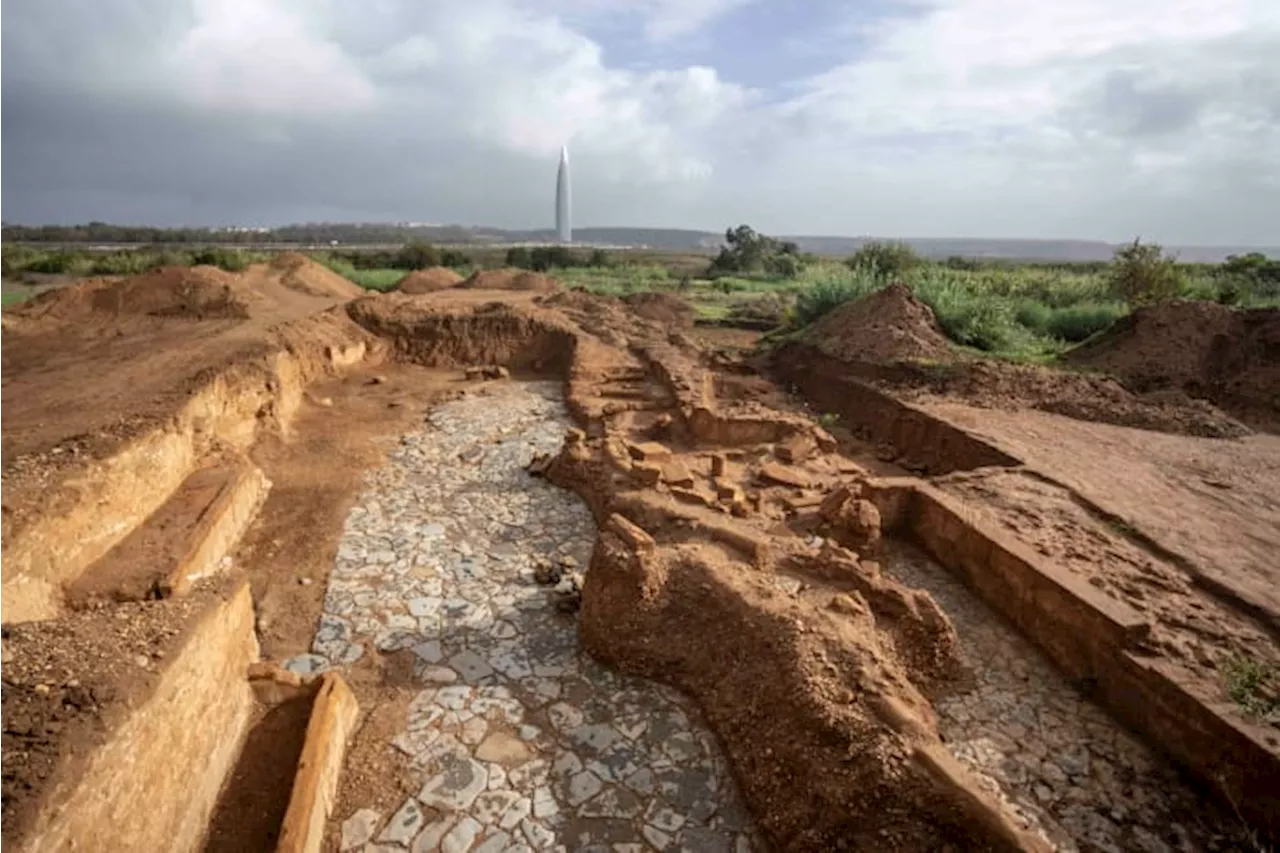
(563, 229)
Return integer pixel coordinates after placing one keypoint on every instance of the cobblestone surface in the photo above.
(522, 741)
(1058, 761)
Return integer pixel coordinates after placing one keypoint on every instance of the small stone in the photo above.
(569, 561)
(546, 575)
(305, 581)
(457, 787)
(142, 661)
(358, 829)
(404, 824)
(461, 837)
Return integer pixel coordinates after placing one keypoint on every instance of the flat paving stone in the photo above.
(523, 741)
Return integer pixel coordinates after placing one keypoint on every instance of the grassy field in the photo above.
(1026, 312)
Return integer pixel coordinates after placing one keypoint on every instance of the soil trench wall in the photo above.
(483, 337)
(105, 501)
(927, 442)
(153, 784)
(1093, 639)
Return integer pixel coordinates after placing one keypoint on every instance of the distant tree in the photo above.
(959, 262)
(891, 260)
(544, 258)
(417, 255)
(454, 258)
(1251, 272)
(518, 256)
(599, 258)
(747, 251)
(1142, 274)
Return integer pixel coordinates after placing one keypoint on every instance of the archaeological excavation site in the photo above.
(491, 565)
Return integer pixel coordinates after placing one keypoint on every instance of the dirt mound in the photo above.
(196, 292)
(429, 280)
(885, 326)
(298, 272)
(510, 278)
(1208, 350)
(665, 308)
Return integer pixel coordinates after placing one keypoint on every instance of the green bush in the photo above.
(885, 258)
(231, 260)
(822, 297)
(1033, 315)
(417, 256)
(59, 263)
(1142, 274)
(1078, 322)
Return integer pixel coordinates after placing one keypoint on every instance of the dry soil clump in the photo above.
(1229, 356)
(429, 280)
(510, 278)
(665, 308)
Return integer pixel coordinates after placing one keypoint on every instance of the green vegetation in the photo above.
(891, 260)
(1006, 309)
(1254, 686)
(21, 259)
(746, 251)
(1142, 274)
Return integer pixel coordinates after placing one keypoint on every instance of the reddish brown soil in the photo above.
(666, 308)
(135, 569)
(67, 682)
(1226, 355)
(1194, 626)
(254, 800)
(1212, 502)
(510, 278)
(886, 326)
(428, 280)
(89, 365)
(822, 708)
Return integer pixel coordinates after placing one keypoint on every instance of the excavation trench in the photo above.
(1052, 757)
(521, 738)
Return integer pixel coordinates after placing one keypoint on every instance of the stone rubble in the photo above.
(1057, 762)
(522, 741)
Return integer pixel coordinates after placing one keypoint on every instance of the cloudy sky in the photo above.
(1017, 118)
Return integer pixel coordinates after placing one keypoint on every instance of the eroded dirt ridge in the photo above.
(523, 740)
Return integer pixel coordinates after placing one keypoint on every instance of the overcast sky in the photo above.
(1017, 118)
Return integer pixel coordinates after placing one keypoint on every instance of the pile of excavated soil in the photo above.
(1081, 396)
(196, 292)
(429, 280)
(1208, 350)
(665, 308)
(510, 278)
(299, 272)
(886, 326)
(289, 286)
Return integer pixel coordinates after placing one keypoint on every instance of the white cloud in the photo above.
(947, 117)
(263, 56)
(660, 20)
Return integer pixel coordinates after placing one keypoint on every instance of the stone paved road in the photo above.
(522, 741)
(1067, 769)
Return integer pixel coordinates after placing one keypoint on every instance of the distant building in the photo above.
(563, 229)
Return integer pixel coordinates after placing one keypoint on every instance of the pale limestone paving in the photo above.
(522, 742)
(1057, 761)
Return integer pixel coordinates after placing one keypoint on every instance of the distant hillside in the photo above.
(664, 239)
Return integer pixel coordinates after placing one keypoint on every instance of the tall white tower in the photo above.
(563, 229)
